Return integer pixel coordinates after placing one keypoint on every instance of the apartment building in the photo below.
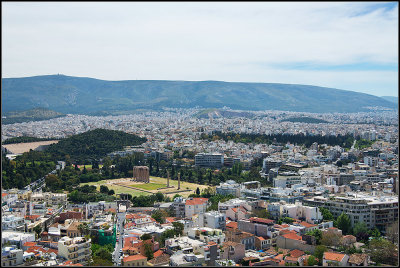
(229, 187)
(52, 199)
(211, 219)
(375, 211)
(137, 260)
(209, 160)
(195, 206)
(76, 250)
(12, 222)
(207, 235)
(178, 207)
(11, 256)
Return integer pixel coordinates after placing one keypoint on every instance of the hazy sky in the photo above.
(351, 46)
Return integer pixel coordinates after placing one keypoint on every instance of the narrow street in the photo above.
(119, 244)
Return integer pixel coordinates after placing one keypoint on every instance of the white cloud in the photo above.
(202, 41)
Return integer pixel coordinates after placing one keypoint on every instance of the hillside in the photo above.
(92, 145)
(216, 113)
(36, 114)
(391, 99)
(67, 94)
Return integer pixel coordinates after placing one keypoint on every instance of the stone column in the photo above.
(179, 180)
(167, 178)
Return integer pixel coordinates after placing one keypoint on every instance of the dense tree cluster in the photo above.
(92, 145)
(25, 139)
(25, 169)
(362, 144)
(346, 141)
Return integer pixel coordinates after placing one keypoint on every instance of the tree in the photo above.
(360, 231)
(145, 237)
(148, 251)
(311, 261)
(104, 189)
(330, 239)
(159, 216)
(317, 234)
(326, 214)
(383, 251)
(374, 233)
(198, 191)
(343, 223)
(37, 229)
(262, 213)
(83, 228)
(319, 252)
(111, 192)
(178, 227)
(392, 232)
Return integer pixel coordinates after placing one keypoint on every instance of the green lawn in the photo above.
(117, 189)
(149, 186)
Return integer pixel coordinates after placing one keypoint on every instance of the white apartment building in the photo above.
(206, 234)
(12, 222)
(375, 211)
(75, 249)
(17, 238)
(232, 203)
(298, 211)
(209, 160)
(11, 256)
(211, 219)
(52, 199)
(229, 187)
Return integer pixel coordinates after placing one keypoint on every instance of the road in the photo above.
(37, 185)
(120, 244)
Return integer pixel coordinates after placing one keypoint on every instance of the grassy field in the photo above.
(117, 189)
(155, 183)
(148, 186)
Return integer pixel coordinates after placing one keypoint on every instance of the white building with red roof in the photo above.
(195, 206)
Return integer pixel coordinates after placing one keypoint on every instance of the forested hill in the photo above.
(82, 95)
(92, 145)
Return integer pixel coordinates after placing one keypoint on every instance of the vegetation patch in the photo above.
(93, 145)
(148, 186)
(306, 119)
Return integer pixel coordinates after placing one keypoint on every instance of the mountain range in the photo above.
(82, 95)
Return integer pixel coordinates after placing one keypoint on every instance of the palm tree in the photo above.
(83, 228)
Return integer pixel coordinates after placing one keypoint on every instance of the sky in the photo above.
(345, 45)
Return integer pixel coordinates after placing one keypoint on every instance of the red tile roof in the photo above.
(292, 236)
(261, 220)
(196, 201)
(232, 224)
(296, 253)
(332, 256)
(170, 219)
(31, 217)
(289, 258)
(29, 244)
(158, 253)
(307, 225)
(134, 258)
(3, 194)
